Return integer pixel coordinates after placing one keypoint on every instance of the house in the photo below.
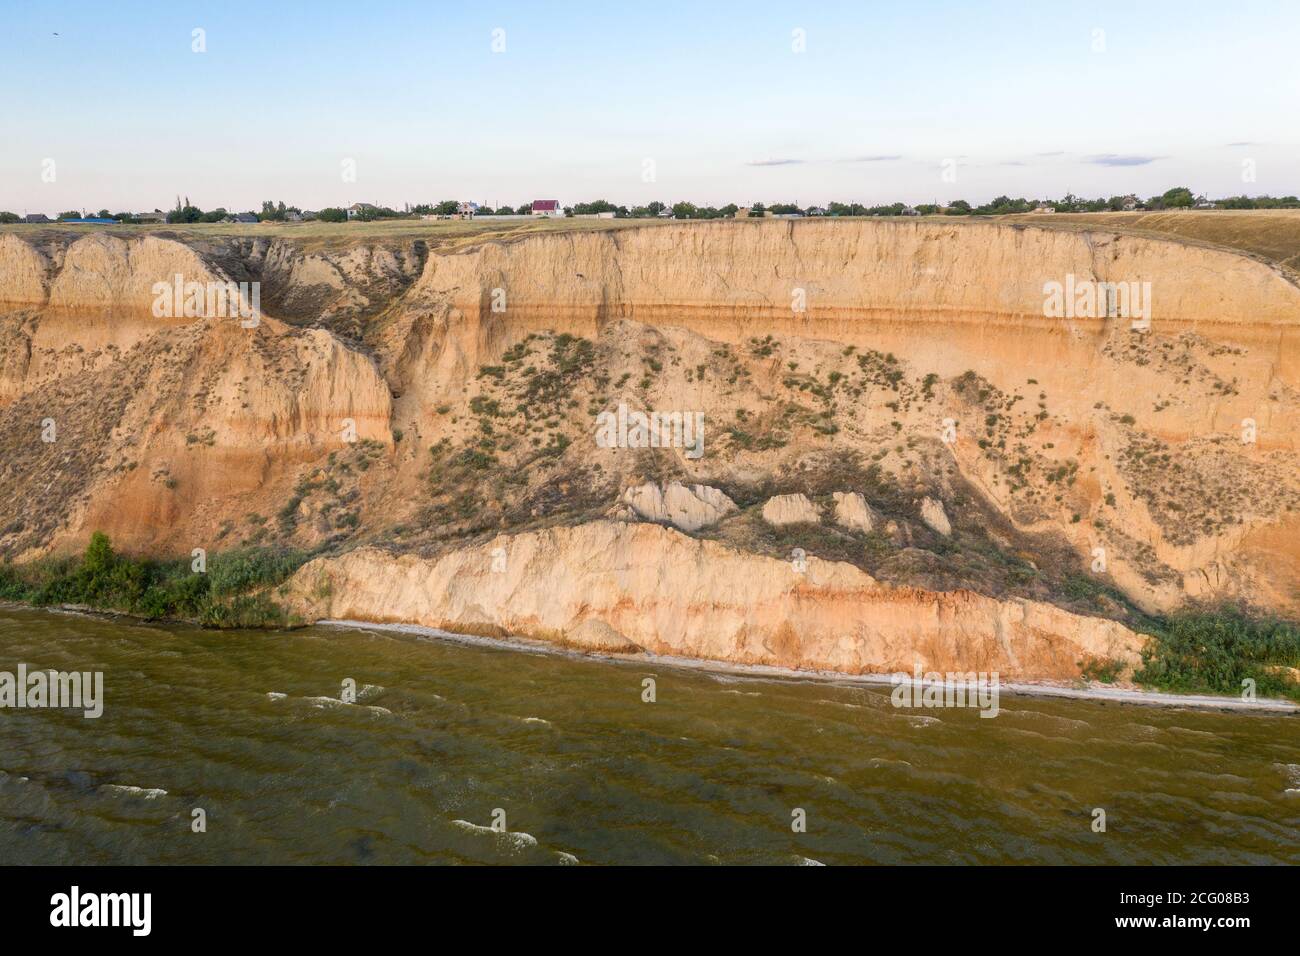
(742, 212)
(1203, 203)
(547, 207)
(292, 216)
(361, 210)
(242, 217)
(816, 211)
(36, 217)
(307, 214)
(1130, 203)
(910, 211)
(665, 214)
(155, 216)
(466, 210)
(1043, 210)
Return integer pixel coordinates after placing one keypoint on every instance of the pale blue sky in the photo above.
(1014, 93)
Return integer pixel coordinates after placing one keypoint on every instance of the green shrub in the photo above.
(1103, 669)
(1217, 650)
(158, 589)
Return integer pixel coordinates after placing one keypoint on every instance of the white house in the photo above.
(547, 208)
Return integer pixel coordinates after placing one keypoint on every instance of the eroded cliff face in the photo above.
(427, 400)
(659, 590)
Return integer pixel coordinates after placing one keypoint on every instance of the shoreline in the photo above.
(1102, 694)
(1098, 693)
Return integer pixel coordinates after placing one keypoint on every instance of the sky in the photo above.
(329, 103)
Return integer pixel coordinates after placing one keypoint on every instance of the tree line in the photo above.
(1179, 197)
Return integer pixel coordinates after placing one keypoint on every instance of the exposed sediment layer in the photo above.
(182, 433)
(656, 589)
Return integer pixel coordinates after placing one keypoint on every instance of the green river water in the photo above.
(248, 726)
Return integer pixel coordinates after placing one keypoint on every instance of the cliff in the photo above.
(656, 589)
(403, 405)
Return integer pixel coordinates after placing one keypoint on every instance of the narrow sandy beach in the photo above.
(1096, 692)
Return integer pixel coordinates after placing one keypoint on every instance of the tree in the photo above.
(592, 208)
(99, 558)
(447, 207)
(71, 214)
(10, 217)
(273, 212)
(655, 208)
(332, 214)
(184, 212)
(684, 210)
(1180, 197)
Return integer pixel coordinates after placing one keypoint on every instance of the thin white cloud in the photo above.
(1114, 159)
(871, 159)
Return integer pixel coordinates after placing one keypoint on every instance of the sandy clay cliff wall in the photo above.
(1076, 429)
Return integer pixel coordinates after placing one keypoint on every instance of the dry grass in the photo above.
(319, 235)
(1272, 235)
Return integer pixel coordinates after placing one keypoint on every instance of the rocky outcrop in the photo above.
(935, 518)
(790, 509)
(671, 594)
(688, 508)
(852, 511)
(594, 635)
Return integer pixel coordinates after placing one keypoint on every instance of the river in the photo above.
(447, 738)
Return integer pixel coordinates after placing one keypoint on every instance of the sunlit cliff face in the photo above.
(1084, 450)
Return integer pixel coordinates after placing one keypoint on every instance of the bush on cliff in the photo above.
(1218, 650)
(229, 594)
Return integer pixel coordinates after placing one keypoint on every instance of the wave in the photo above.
(149, 793)
(518, 838)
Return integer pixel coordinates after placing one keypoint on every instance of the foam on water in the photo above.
(149, 793)
(518, 838)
